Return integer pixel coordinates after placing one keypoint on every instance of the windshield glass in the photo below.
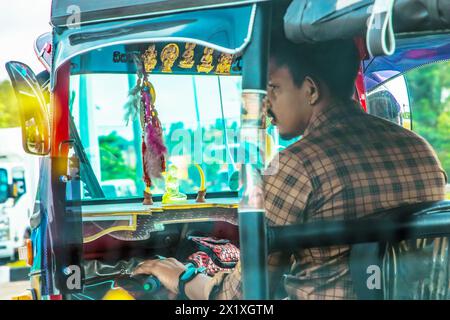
(194, 112)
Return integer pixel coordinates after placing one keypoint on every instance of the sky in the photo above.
(21, 22)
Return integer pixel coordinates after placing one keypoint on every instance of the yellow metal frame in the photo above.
(106, 231)
(199, 206)
(133, 215)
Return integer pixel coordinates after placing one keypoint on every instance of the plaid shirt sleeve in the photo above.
(287, 191)
(281, 208)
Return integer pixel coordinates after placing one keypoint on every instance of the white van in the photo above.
(22, 173)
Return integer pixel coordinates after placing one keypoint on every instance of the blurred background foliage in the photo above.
(8, 106)
(429, 91)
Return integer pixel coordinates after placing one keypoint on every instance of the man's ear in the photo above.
(312, 90)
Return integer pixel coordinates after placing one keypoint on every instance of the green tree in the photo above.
(113, 165)
(8, 106)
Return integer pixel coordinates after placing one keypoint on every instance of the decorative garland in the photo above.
(142, 100)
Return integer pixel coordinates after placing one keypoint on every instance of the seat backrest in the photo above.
(416, 269)
(407, 270)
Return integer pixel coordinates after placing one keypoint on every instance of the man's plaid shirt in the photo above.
(347, 165)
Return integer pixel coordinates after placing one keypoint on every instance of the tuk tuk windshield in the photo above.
(200, 117)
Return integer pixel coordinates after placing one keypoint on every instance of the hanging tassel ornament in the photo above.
(141, 102)
(153, 148)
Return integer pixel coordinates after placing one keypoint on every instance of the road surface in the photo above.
(10, 289)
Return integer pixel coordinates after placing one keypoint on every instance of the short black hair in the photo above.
(334, 63)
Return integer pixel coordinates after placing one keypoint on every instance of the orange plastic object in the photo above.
(30, 257)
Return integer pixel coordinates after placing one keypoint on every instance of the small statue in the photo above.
(188, 56)
(206, 61)
(169, 55)
(150, 58)
(172, 194)
(224, 66)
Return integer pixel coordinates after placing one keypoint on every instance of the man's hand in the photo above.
(167, 271)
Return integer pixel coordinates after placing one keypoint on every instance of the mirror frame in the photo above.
(42, 128)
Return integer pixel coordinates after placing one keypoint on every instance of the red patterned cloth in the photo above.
(215, 254)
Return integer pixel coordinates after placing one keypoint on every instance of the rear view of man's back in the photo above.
(369, 164)
(356, 165)
(347, 165)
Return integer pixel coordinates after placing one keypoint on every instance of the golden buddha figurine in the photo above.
(169, 55)
(224, 66)
(150, 58)
(206, 61)
(172, 194)
(188, 56)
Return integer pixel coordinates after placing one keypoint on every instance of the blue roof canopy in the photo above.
(67, 12)
(411, 52)
(226, 30)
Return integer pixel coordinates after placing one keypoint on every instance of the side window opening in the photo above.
(426, 92)
(429, 91)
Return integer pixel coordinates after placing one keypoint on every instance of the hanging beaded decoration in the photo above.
(153, 148)
(142, 100)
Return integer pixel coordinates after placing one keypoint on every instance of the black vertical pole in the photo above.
(256, 57)
(252, 225)
(252, 231)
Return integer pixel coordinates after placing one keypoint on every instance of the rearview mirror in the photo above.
(391, 102)
(3, 186)
(32, 109)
